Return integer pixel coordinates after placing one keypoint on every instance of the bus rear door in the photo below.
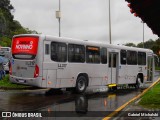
(150, 68)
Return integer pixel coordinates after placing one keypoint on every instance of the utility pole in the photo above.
(58, 16)
(143, 34)
(110, 37)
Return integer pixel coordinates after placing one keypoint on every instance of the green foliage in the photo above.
(5, 83)
(5, 4)
(6, 8)
(8, 26)
(130, 44)
(5, 41)
(152, 98)
(157, 68)
(3, 25)
(156, 48)
(150, 44)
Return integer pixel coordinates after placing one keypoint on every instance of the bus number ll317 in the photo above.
(62, 66)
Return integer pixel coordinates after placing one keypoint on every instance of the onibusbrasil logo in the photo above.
(20, 114)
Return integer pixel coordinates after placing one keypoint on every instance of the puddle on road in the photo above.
(37, 101)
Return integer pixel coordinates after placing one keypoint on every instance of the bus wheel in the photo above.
(81, 84)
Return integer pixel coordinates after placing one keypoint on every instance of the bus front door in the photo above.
(113, 68)
(150, 69)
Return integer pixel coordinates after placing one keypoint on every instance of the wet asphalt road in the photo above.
(94, 104)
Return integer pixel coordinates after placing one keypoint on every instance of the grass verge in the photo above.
(151, 99)
(157, 68)
(6, 84)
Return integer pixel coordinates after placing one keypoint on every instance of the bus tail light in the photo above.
(36, 72)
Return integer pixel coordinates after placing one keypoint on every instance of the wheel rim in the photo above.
(81, 84)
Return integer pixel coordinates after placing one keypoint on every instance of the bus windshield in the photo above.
(24, 47)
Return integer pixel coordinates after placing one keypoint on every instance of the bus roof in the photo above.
(83, 42)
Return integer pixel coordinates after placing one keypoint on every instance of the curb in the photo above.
(27, 88)
(133, 99)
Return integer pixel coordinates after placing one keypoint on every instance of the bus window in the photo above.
(76, 53)
(123, 57)
(24, 47)
(104, 55)
(58, 52)
(141, 58)
(131, 57)
(93, 54)
(47, 49)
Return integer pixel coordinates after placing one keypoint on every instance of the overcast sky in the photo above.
(82, 19)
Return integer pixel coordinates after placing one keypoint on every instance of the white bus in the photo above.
(55, 62)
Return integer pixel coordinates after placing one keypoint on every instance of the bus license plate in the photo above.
(21, 81)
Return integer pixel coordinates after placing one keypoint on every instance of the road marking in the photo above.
(127, 103)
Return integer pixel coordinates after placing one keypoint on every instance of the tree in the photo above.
(5, 4)
(130, 44)
(5, 41)
(157, 41)
(140, 45)
(6, 7)
(148, 44)
(3, 25)
(156, 49)
(8, 26)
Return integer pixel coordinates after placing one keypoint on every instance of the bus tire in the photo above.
(81, 84)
